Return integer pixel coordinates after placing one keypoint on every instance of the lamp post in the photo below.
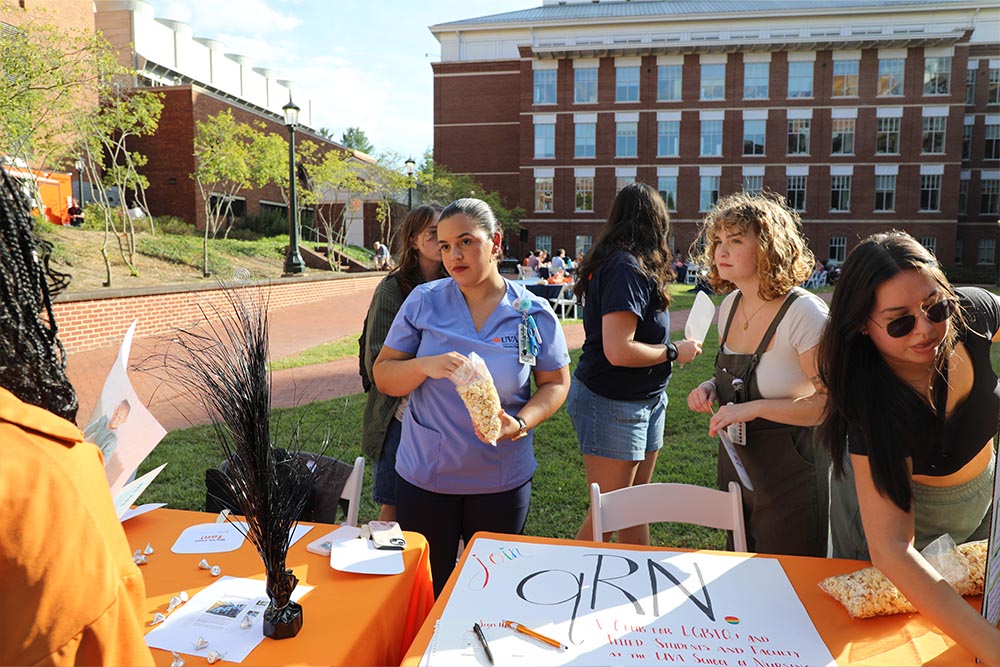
(411, 166)
(293, 261)
(79, 181)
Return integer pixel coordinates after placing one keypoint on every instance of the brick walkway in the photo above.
(292, 330)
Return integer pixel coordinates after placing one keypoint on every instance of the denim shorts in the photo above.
(384, 485)
(623, 430)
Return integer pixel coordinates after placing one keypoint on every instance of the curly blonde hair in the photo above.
(783, 256)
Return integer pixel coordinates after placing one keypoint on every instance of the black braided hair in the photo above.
(32, 360)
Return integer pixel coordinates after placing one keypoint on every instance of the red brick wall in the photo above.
(91, 322)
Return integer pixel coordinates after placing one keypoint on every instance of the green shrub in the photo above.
(979, 275)
(268, 223)
(171, 224)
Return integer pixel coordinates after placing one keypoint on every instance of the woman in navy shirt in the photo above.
(914, 400)
(617, 400)
(450, 483)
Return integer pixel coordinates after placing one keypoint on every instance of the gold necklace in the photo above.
(743, 311)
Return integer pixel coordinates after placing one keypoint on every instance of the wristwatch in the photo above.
(522, 432)
(671, 352)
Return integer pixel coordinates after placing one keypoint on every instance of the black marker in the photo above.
(482, 640)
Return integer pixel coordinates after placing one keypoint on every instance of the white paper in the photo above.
(139, 511)
(700, 318)
(120, 425)
(734, 456)
(208, 538)
(620, 607)
(131, 491)
(298, 533)
(348, 553)
(215, 614)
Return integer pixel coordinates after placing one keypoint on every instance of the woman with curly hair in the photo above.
(765, 372)
(617, 401)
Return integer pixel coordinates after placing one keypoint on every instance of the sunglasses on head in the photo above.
(936, 313)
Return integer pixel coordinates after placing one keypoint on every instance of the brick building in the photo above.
(865, 114)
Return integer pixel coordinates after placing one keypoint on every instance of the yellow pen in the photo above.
(517, 627)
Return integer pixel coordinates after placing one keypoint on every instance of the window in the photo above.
(753, 184)
(992, 143)
(843, 136)
(970, 87)
(668, 83)
(711, 137)
(959, 251)
(963, 196)
(838, 248)
(544, 242)
(967, 141)
(627, 84)
(543, 194)
(798, 136)
(545, 140)
(668, 134)
(796, 192)
(585, 85)
(545, 86)
(800, 79)
(987, 250)
(667, 185)
(890, 77)
(840, 192)
(937, 76)
(626, 139)
(753, 136)
(885, 192)
(622, 181)
(887, 136)
(990, 199)
(713, 81)
(585, 144)
(993, 97)
(845, 78)
(709, 192)
(755, 80)
(929, 242)
(930, 192)
(583, 243)
(933, 137)
(584, 193)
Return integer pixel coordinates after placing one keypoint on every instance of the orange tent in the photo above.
(55, 192)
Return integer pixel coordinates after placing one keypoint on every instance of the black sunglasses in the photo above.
(937, 313)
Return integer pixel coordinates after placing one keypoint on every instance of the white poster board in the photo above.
(618, 607)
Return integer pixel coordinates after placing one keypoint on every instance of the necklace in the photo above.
(743, 311)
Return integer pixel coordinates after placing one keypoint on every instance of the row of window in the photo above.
(799, 135)
(757, 81)
(795, 193)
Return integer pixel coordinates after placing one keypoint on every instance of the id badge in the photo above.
(738, 433)
(524, 338)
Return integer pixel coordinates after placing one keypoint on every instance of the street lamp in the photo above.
(293, 261)
(411, 166)
(79, 180)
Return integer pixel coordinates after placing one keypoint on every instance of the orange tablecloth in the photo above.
(349, 619)
(905, 639)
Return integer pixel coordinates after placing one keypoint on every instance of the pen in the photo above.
(482, 640)
(517, 627)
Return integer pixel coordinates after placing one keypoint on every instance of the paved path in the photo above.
(292, 330)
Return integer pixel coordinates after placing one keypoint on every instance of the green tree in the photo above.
(338, 181)
(436, 184)
(355, 137)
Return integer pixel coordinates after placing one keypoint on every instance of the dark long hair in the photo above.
(640, 225)
(32, 360)
(407, 270)
(889, 417)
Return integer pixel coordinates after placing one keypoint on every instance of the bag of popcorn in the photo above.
(475, 386)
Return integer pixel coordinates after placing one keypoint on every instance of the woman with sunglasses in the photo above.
(913, 399)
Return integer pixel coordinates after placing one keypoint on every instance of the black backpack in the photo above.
(366, 382)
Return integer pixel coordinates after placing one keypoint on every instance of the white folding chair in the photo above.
(691, 277)
(352, 491)
(565, 299)
(678, 503)
(525, 272)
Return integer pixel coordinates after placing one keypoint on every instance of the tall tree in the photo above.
(355, 137)
(438, 185)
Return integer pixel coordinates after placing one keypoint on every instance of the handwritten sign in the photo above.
(621, 607)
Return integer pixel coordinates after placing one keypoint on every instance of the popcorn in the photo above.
(867, 593)
(475, 385)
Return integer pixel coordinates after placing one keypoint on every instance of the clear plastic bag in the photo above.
(475, 385)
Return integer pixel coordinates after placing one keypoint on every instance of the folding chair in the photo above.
(565, 298)
(352, 491)
(691, 277)
(526, 272)
(679, 503)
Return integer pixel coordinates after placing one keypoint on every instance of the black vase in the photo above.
(282, 618)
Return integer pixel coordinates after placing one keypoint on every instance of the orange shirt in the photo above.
(70, 592)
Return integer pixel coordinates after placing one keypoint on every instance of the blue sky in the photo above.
(364, 63)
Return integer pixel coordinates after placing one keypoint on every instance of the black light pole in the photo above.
(79, 181)
(411, 167)
(293, 261)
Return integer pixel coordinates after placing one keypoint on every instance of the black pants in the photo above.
(444, 519)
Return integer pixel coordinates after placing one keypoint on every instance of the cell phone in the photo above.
(387, 535)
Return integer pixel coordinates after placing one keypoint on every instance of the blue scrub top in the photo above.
(439, 450)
